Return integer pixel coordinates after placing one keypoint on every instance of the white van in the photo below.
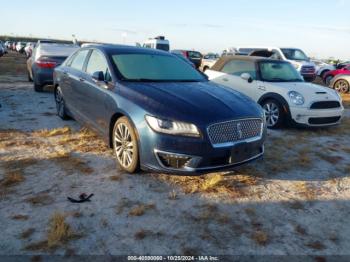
(158, 42)
(294, 55)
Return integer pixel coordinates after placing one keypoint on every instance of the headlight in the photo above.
(297, 66)
(172, 127)
(296, 98)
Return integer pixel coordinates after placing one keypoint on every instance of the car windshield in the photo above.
(155, 68)
(272, 71)
(294, 54)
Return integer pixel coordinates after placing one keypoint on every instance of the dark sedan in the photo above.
(157, 112)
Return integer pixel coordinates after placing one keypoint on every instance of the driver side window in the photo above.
(97, 62)
(237, 68)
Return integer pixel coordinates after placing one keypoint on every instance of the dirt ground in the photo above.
(295, 201)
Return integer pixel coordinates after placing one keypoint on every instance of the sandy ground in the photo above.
(295, 201)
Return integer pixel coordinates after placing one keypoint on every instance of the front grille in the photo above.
(325, 105)
(324, 120)
(308, 70)
(235, 131)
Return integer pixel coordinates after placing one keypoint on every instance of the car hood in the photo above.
(195, 102)
(310, 91)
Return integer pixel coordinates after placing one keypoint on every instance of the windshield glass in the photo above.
(272, 71)
(153, 67)
(164, 47)
(294, 54)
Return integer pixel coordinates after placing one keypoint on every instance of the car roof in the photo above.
(114, 48)
(223, 60)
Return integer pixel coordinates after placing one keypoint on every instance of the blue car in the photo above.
(157, 112)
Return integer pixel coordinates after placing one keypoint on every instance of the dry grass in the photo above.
(316, 245)
(12, 179)
(40, 200)
(140, 210)
(116, 178)
(173, 195)
(60, 232)
(27, 233)
(71, 163)
(20, 217)
(235, 184)
(141, 234)
(260, 237)
(346, 100)
(53, 132)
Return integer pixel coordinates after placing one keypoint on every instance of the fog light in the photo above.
(173, 160)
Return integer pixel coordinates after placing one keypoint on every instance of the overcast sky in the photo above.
(320, 27)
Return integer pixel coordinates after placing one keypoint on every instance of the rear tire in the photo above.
(29, 77)
(274, 113)
(328, 80)
(323, 73)
(125, 145)
(60, 104)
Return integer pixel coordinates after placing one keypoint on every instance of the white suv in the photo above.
(295, 56)
(280, 90)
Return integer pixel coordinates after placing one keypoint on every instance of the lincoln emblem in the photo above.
(239, 131)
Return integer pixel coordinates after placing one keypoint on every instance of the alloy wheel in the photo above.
(271, 113)
(342, 86)
(123, 145)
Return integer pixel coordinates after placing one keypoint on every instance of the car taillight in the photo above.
(184, 54)
(45, 64)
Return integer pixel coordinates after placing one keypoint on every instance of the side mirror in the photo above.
(98, 76)
(247, 77)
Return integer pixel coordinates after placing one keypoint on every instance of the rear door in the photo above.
(73, 81)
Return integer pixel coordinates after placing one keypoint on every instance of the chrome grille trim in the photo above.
(229, 133)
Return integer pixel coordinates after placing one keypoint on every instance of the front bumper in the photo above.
(184, 155)
(316, 117)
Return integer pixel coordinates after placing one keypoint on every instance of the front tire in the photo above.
(125, 145)
(342, 86)
(60, 104)
(274, 113)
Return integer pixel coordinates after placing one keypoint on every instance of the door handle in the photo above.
(65, 73)
(82, 79)
(225, 79)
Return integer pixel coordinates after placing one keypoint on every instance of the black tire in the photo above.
(29, 77)
(125, 145)
(323, 73)
(60, 104)
(205, 68)
(328, 80)
(274, 112)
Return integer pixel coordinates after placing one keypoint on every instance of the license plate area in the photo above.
(242, 152)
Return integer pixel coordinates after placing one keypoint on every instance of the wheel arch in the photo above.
(114, 119)
(278, 98)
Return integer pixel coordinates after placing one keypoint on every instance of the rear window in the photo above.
(164, 47)
(193, 54)
(79, 59)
